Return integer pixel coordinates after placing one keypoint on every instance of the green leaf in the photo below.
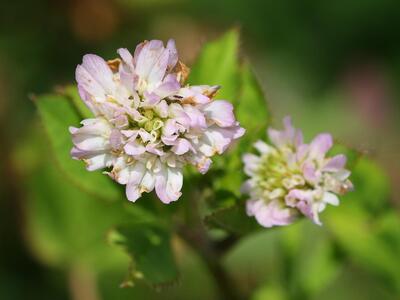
(217, 64)
(67, 226)
(388, 229)
(356, 224)
(353, 230)
(71, 92)
(232, 219)
(57, 114)
(372, 187)
(253, 115)
(252, 111)
(270, 291)
(149, 246)
(311, 255)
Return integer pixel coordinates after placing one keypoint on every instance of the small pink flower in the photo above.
(147, 125)
(289, 178)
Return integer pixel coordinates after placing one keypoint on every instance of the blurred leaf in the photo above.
(149, 246)
(233, 219)
(57, 115)
(388, 229)
(217, 64)
(310, 262)
(252, 111)
(66, 226)
(372, 187)
(257, 260)
(312, 258)
(354, 232)
(351, 154)
(355, 223)
(71, 92)
(271, 291)
(253, 115)
(226, 172)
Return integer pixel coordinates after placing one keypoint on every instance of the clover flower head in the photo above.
(147, 123)
(290, 178)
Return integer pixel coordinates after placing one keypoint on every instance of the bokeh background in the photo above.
(332, 65)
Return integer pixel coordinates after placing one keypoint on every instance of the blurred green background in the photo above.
(332, 65)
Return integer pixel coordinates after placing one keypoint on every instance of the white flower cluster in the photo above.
(290, 178)
(147, 124)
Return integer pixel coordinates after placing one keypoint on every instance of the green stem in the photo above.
(203, 246)
(82, 283)
(195, 235)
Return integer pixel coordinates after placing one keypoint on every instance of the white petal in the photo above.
(134, 148)
(221, 112)
(148, 182)
(132, 192)
(330, 198)
(262, 147)
(169, 184)
(98, 162)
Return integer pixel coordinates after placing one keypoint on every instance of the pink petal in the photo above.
(126, 56)
(272, 214)
(221, 112)
(288, 136)
(335, 163)
(134, 148)
(116, 139)
(197, 119)
(203, 163)
(162, 109)
(169, 184)
(159, 68)
(149, 58)
(173, 54)
(310, 173)
(181, 146)
(176, 112)
(169, 87)
(320, 145)
(132, 192)
(95, 75)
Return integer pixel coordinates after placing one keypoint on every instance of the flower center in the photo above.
(275, 176)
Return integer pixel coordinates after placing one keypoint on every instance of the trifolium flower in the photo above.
(147, 123)
(289, 178)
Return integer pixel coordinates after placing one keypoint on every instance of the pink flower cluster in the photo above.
(290, 178)
(147, 123)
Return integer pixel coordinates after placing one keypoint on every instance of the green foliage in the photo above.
(68, 225)
(270, 291)
(233, 219)
(372, 185)
(226, 209)
(71, 92)
(357, 223)
(252, 108)
(149, 246)
(310, 257)
(354, 231)
(57, 115)
(217, 65)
